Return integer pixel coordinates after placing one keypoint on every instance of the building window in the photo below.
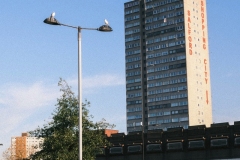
(183, 119)
(134, 117)
(175, 120)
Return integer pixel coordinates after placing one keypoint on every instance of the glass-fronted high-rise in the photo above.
(167, 64)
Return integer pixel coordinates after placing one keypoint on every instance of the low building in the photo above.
(219, 141)
(22, 147)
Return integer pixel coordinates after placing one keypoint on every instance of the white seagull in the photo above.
(53, 14)
(106, 22)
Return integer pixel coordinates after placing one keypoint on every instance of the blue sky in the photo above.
(33, 56)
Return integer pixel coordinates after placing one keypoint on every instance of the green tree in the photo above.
(61, 135)
(7, 154)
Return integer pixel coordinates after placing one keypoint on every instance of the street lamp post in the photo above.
(143, 144)
(104, 28)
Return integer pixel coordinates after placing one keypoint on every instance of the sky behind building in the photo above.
(33, 56)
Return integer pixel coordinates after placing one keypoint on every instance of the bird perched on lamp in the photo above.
(106, 22)
(52, 16)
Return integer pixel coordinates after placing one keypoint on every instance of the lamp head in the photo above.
(105, 28)
(51, 20)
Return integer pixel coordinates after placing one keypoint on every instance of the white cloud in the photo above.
(27, 96)
(93, 83)
(105, 80)
(19, 102)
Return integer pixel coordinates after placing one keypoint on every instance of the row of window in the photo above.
(170, 22)
(158, 39)
(175, 126)
(133, 45)
(180, 65)
(162, 121)
(179, 20)
(174, 66)
(165, 45)
(132, 11)
(166, 60)
(164, 53)
(171, 44)
(164, 98)
(175, 104)
(172, 14)
(132, 31)
(166, 9)
(170, 146)
(157, 4)
(132, 24)
(133, 73)
(132, 18)
(179, 111)
(132, 38)
(134, 124)
(134, 102)
(166, 90)
(131, 4)
(163, 128)
(165, 75)
(157, 114)
(159, 54)
(163, 68)
(132, 52)
(134, 59)
(173, 29)
(134, 117)
(134, 88)
(135, 109)
(177, 145)
(179, 50)
(133, 66)
(172, 81)
(136, 80)
(132, 95)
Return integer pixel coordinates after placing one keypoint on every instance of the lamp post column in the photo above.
(104, 28)
(143, 144)
(80, 90)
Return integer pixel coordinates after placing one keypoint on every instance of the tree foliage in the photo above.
(7, 154)
(61, 134)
